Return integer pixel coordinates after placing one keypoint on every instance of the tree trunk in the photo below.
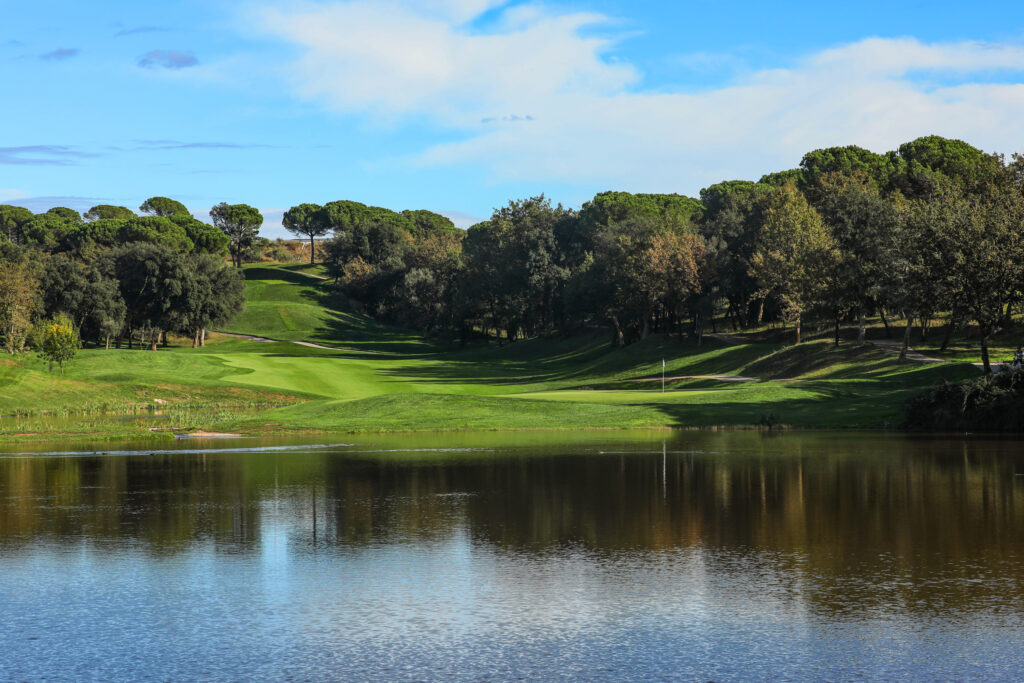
(202, 338)
(837, 329)
(618, 339)
(925, 324)
(950, 329)
(312, 249)
(195, 338)
(1008, 316)
(108, 342)
(760, 310)
(646, 328)
(984, 350)
(797, 330)
(906, 339)
(888, 332)
(862, 327)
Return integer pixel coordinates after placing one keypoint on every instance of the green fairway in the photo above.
(292, 304)
(377, 378)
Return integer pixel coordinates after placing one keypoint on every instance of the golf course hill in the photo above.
(302, 358)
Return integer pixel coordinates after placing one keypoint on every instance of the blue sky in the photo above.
(459, 105)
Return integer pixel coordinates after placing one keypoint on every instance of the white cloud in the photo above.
(591, 121)
(389, 59)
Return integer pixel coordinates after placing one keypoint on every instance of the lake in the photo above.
(692, 556)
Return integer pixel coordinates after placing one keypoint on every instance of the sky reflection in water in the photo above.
(729, 556)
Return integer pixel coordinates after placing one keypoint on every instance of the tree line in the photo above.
(111, 276)
(931, 227)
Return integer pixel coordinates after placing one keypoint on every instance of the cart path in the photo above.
(252, 337)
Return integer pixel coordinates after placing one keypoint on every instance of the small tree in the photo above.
(58, 340)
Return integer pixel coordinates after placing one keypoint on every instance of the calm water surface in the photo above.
(709, 556)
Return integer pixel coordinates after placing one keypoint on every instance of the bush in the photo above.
(57, 340)
(993, 403)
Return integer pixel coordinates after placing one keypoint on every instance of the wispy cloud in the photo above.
(13, 43)
(60, 54)
(167, 59)
(178, 144)
(512, 118)
(594, 122)
(42, 155)
(140, 29)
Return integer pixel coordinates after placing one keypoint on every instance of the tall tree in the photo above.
(204, 237)
(514, 271)
(213, 294)
(162, 206)
(730, 226)
(12, 219)
(18, 303)
(152, 280)
(78, 287)
(973, 244)
(429, 223)
(69, 215)
(101, 211)
(307, 220)
(241, 223)
(863, 223)
(794, 255)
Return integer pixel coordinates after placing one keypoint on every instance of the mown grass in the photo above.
(287, 303)
(380, 379)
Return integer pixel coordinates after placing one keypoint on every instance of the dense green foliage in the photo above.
(117, 276)
(992, 403)
(919, 231)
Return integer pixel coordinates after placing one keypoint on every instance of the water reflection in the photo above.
(817, 555)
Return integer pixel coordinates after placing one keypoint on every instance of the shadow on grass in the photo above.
(830, 406)
(340, 324)
(584, 360)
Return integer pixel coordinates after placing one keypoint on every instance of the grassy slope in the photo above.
(382, 379)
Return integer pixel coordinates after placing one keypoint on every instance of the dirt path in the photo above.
(895, 347)
(732, 339)
(250, 337)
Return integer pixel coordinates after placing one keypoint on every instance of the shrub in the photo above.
(57, 340)
(993, 403)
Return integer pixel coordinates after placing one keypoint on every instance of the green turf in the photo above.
(378, 379)
(285, 302)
